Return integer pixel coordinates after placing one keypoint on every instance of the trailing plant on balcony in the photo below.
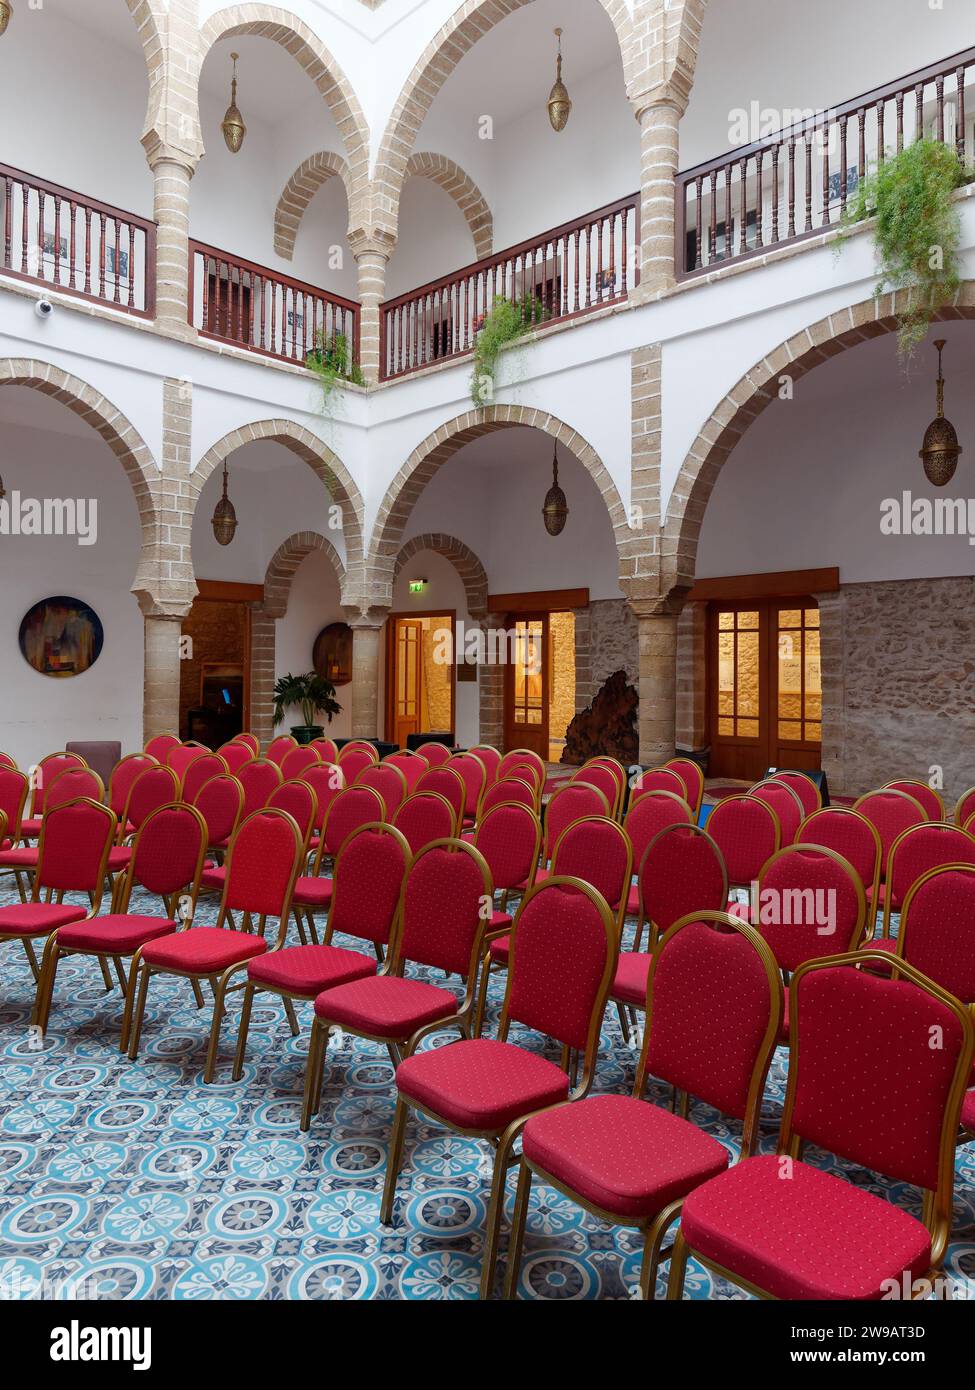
(312, 694)
(503, 324)
(333, 364)
(917, 230)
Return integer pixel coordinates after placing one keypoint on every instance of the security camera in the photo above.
(43, 308)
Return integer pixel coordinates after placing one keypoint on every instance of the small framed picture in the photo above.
(835, 186)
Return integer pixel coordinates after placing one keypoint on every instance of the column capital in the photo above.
(360, 616)
(674, 92)
(165, 606)
(647, 604)
(374, 243)
(160, 150)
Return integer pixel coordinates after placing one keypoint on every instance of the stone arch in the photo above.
(732, 417)
(430, 455)
(284, 565)
(472, 573)
(281, 27)
(453, 180)
(319, 457)
(298, 192)
(148, 21)
(470, 22)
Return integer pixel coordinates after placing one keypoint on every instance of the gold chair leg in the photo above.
(197, 993)
(393, 1161)
(135, 1025)
(129, 1000)
(31, 959)
(312, 929)
(678, 1266)
(45, 984)
(482, 990)
(313, 1072)
(289, 1009)
(106, 976)
(516, 1238)
(302, 938)
(219, 1009)
(120, 972)
(651, 1250)
(242, 1031)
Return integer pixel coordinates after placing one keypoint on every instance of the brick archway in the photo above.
(470, 22)
(731, 418)
(298, 192)
(470, 200)
(320, 459)
(148, 21)
(472, 573)
(270, 22)
(430, 456)
(284, 565)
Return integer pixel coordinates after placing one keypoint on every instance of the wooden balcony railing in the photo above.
(235, 301)
(54, 236)
(796, 183)
(572, 270)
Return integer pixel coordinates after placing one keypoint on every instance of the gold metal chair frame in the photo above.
(436, 796)
(788, 851)
(904, 835)
(441, 767)
(915, 782)
(389, 767)
(958, 815)
(936, 1210)
(691, 822)
(752, 801)
(321, 853)
(229, 777)
(874, 887)
(671, 766)
(12, 829)
(619, 773)
(464, 759)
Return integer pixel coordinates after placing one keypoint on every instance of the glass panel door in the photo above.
(527, 684)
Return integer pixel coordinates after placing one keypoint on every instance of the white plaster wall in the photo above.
(312, 604)
(434, 238)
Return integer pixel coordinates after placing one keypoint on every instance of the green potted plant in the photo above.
(310, 693)
(333, 364)
(505, 322)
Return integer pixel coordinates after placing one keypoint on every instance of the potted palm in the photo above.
(310, 693)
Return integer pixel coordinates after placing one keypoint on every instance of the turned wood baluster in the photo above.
(205, 321)
(776, 149)
(40, 234)
(263, 330)
(844, 166)
(101, 256)
(862, 136)
(575, 297)
(131, 265)
(118, 260)
(698, 231)
(400, 360)
(792, 186)
(729, 249)
(273, 338)
(7, 220)
(415, 316)
(57, 240)
(588, 265)
(624, 251)
(759, 198)
(881, 109)
(825, 216)
(807, 142)
(24, 215)
(87, 250)
(467, 311)
(939, 87)
(960, 119)
(743, 209)
(713, 234)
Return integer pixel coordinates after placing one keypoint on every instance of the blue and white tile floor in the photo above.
(134, 1180)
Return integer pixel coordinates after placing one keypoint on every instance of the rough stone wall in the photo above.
(692, 723)
(613, 643)
(562, 694)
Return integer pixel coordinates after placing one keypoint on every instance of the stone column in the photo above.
(171, 174)
(692, 719)
(659, 126)
(263, 635)
(160, 705)
(490, 678)
(370, 259)
(367, 632)
(832, 658)
(657, 620)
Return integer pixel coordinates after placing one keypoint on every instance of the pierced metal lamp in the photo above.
(556, 508)
(232, 125)
(6, 10)
(940, 450)
(558, 103)
(224, 520)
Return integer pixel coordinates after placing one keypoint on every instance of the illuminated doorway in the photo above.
(419, 675)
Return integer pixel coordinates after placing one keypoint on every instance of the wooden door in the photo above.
(527, 684)
(765, 691)
(408, 677)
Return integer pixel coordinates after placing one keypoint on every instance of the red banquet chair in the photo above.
(805, 789)
(449, 784)
(602, 775)
(356, 755)
(423, 818)
(250, 741)
(262, 866)
(199, 772)
(746, 831)
(491, 759)
(326, 781)
(411, 765)
(156, 786)
(965, 807)
(473, 774)
(507, 791)
(326, 749)
(47, 770)
(564, 952)
(931, 801)
(509, 836)
(937, 928)
(571, 802)
(349, 811)
(7, 761)
(844, 830)
(784, 802)
(14, 788)
(298, 801)
(890, 812)
(681, 871)
(714, 1009)
(389, 782)
(159, 745)
(183, 756)
(520, 760)
(279, 748)
(916, 851)
(658, 779)
(692, 775)
(221, 803)
(434, 754)
(73, 784)
(73, 854)
(853, 1034)
(297, 761)
(644, 820)
(235, 754)
(259, 778)
(167, 859)
(123, 775)
(441, 924)
(369, 874)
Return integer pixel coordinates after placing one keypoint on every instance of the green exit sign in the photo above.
(417, 586)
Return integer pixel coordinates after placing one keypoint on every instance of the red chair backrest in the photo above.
(221, 803)
(805, 789)
(297, 760)
(857, 1034)
(604, 779)
(74, 784)
(965, 807)
(279, 748)
(235, 754)
(714, 1012)
(569, 803)
(326, 749)
(157, 786)
(448, 782)
(423, 818)
(682, 871)
(597, 850)
(930, 800)
(389, 782)
(786, 805)
(844, 830)
(250, 741)
(658, 779)
(508, 789)
(167, 856)
(159, 745)
(259, 778)
(921, 848)
(14, 787)
(199, 772)
(474, 776)
(123, 775)
(811, 903)
(434, 754)
(73, 854)
(44, 774)
(368, 878)
(509, 837)
(444, 903)
(326, 781)
(937, 929)
(262, 863)
(563, 952)
(746, 832)
(351, 808)
(411, 766)
(354, 757)
(518, 763)
(648, 816)
(182, 756)
(7, 761)
(692, 775)
(300, 802)
(890, 812)
(491, 759)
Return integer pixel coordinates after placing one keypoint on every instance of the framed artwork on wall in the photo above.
(332, 653)
(61, 636)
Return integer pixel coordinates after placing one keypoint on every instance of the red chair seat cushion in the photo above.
(622, 1154)
(117, 934)
(809, 1236)
(501, 950)
(968, 1112)
(22, 858)
(896, 901)
(119, 858)
(37, 919)
(313, 892)
(203, 950)
(540, 876)
(308, 970)
(213, 878)
(480, 1083)
(31, 828)
(630, 982)
(385, 1006)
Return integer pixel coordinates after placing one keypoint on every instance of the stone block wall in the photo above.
(607, 640)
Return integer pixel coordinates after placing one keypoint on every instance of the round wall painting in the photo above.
(61, 636)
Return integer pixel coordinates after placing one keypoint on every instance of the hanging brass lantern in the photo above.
(232, 125)
(940, 450)
(224, 521)
(559, 104)
(6, 10)
(556, 508)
